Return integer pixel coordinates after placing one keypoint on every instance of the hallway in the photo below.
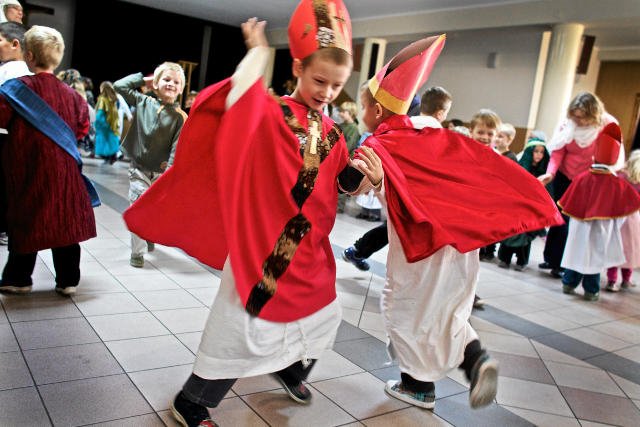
(116, 353)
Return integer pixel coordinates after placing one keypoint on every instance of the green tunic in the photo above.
(156, 127)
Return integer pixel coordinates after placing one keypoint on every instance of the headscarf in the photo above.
(526, 161)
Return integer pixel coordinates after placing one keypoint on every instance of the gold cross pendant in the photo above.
(314, 134)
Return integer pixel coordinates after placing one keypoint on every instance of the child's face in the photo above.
(345, 116)
(320, 82)
(14, 13)
(8, 50)
(169, 86)
(483, 133)
(503, 141)
(538, 154)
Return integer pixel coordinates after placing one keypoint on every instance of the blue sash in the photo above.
(34, 110)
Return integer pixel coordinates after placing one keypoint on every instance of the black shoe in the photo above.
(299, 393)
(556, 272)
(544, 266)
(362, 216)
(478, 302)
(189, 414)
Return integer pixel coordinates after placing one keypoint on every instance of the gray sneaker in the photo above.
(423, 400)
(137, 261)
(484, 381)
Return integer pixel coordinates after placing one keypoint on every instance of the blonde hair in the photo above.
(508, 129)
(487, 117)
(588, 103)
(166, 66)
(633, 167)
(349, 107)
(46, 44)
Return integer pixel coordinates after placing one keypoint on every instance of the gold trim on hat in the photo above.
(387, 99)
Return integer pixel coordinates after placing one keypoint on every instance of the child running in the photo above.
(433, 264)
(269, 169)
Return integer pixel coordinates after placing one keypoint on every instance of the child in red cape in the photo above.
(446, 195)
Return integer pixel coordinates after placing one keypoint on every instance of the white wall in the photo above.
(62, 20)
(462, 70)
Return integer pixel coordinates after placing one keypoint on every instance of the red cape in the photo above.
(229, 193)
(443, 188)
(597, 194)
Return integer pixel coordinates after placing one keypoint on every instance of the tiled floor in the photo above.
(117, 352)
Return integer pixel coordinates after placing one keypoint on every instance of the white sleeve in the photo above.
(250, 69)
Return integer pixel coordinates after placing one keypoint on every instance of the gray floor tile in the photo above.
(601, 408)
(29, 411)
(455, 410)
(332, 365)
(93, 400)
(584, 378)
(277, 409)
(184, 319)
(111, 303)
(149, 420)
(411, 416)
(368, 353)
(531, 395)
(167, 300)
(7, 339)
(25, 307)
(14, 372)
(361, 395)
(76, 362)
(126, 326)
(150, 353)
(191, 340)
(3, 317)
(543, 419)
(205, 295)
(570, 346)
(626, 368)
(54, 333)
(147, 282)
(347, 332)
(230, 412)
(525, 368)
(160, 386)
(99, 283)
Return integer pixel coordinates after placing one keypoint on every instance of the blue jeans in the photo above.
(590, 282)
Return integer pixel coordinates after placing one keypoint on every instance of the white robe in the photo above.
(237, 345)
(594, 245)
(426, 307)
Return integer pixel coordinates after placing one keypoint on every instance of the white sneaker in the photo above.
(69, 290)
(613, 286)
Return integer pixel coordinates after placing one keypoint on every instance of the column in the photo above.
(559, 76)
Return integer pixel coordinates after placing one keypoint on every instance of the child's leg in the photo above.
(291, 379)
(522, 254)
(626, 275)
(482, 371)
(612, 274)
(591, 285)
(504, 253)
(570, 281)
(190, 405)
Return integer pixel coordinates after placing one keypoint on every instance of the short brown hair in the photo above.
(487, 117)
(434, 99)
(349, 107)
(336, 55)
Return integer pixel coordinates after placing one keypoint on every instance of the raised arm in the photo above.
(127, 87)
(252, 66)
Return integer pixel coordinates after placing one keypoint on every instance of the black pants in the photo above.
(66, 261)
(488, 251)
(522, 254)
(209, 393)
(372, 241)
(557, 236)
(472, 352)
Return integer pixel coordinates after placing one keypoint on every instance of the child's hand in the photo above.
(369, 164)
(148, 81)
(253, 32)
(546, 178)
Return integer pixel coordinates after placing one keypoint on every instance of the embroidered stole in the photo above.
(313, 150)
